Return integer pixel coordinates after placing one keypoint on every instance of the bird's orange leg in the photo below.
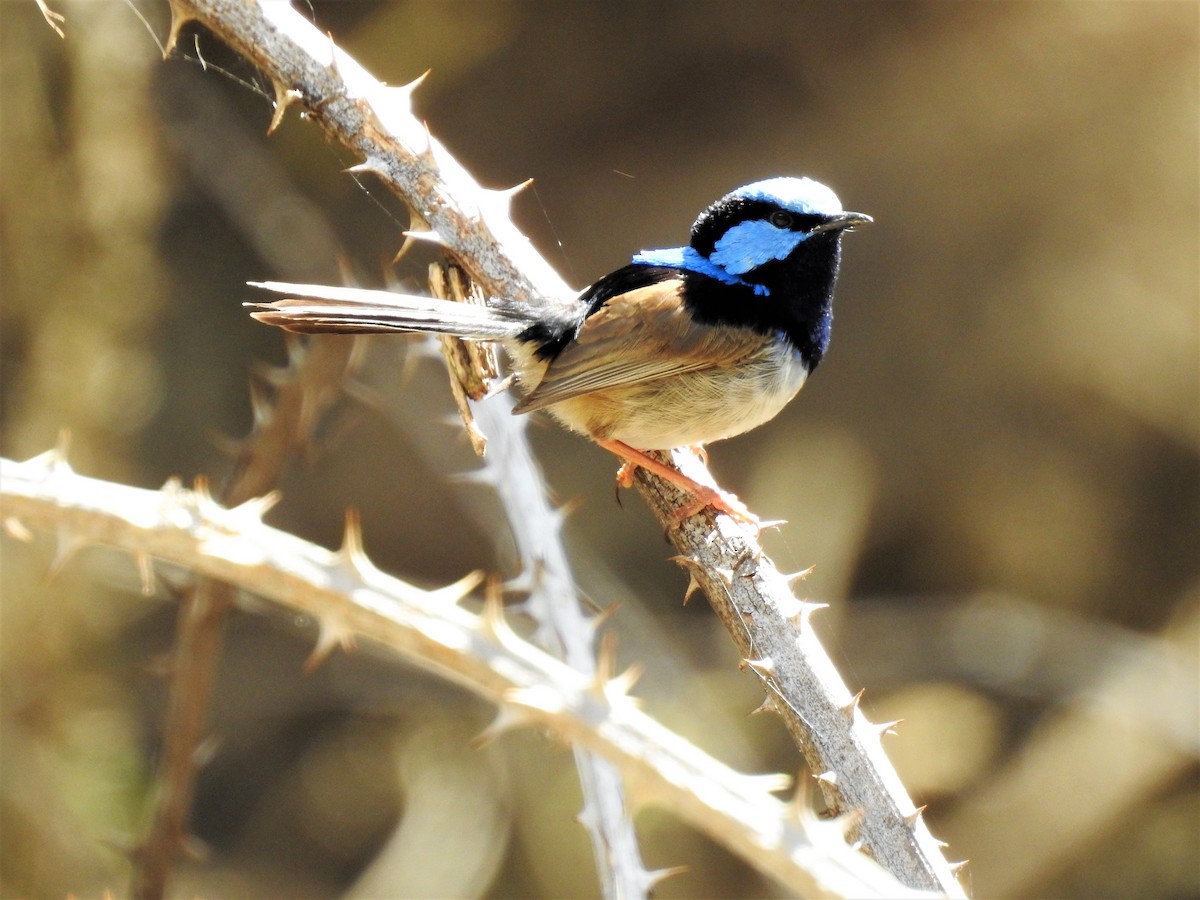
(702, 493)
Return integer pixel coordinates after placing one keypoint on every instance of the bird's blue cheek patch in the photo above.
(688, 259)
(685, 258)
(749, 245)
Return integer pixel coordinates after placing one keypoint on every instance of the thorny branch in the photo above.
(552, 598)
(311, 380)
(752, 599)
(347, 596)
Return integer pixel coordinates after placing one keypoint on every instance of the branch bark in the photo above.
(553, 600)
(310, 381)
(472, 223)
(347, 596)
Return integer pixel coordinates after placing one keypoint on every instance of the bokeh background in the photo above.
(995, 471)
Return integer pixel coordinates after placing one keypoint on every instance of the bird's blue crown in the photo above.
(772, 233)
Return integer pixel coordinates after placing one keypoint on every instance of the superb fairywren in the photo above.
(681, 347)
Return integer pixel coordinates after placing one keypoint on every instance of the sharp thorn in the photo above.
(429, 236)
(852, 707)
(179, 18)
(657, 876)
(16, 529)
(284, 97)
(915, 816)
(882, 728)
(764, 667)
(798, 576)
(767, 706)
(330, 634)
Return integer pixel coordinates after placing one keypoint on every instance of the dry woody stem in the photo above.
(349, 597)
(771, 628)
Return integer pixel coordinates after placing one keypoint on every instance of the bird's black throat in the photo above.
(798, 302)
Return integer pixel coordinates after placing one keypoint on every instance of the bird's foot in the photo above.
(722, 501)
(702, 495)
(625, 474)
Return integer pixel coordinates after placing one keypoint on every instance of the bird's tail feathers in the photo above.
(315, 308)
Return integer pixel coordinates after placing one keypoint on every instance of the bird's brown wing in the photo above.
(637, 337)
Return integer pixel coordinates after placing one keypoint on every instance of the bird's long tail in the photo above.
(313, 308)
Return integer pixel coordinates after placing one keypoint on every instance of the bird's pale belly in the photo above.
(689, 408)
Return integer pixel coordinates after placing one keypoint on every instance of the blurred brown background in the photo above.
(994, 471)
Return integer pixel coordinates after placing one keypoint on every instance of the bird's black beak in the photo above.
(843, 222)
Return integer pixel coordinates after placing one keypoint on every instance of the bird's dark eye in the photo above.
(780, 219)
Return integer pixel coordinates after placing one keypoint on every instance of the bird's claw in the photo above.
(625, 474)
(702, 495)
(725, 503)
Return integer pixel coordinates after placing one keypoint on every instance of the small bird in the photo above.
(681, 347)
